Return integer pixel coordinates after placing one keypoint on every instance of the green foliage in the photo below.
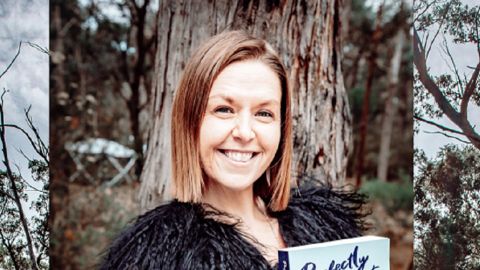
(11, 231)
(460, 20)
(355, 98)
(446, 202)
(39, 169)
(393, 195)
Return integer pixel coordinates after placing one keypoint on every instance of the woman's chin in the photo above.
(233, 182)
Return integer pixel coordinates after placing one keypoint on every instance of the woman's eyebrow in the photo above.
(231, 100)
(222, 96)
(269, 102)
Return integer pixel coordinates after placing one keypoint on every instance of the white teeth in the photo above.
(239, 156)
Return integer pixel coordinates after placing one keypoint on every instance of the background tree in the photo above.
(24, 236)
(447, 225)
(99, 62)
(447, 186)
(377, 55)
(101, 76)
(452, 92)
(377, 66)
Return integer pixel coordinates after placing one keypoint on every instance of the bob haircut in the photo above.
(189, 106)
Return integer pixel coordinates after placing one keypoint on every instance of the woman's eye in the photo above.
(223, 110)
(265, 114)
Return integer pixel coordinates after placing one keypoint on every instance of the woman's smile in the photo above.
(238, 156)
(237, 162)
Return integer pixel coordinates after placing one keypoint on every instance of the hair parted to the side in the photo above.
(189, 107)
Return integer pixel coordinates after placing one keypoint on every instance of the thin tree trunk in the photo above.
(82, 88)
(366, 99)
(307, 35)
(139, 20)
(16, 196)
(390, 109)
(58, 183)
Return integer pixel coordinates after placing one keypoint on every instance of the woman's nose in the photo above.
(243, 129)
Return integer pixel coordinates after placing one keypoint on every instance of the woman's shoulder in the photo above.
(142, 242)
(181, 236)
(323, 213)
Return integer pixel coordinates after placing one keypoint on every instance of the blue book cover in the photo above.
(360, 253)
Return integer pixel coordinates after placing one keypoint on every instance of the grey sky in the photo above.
(27, 80)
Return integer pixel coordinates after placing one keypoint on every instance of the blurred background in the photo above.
(104, 104)
(377, 68)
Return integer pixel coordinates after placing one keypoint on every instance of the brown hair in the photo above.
(189, 107)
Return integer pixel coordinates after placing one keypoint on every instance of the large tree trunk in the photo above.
(307, 35)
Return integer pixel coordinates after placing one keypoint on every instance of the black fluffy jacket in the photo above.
(186, 236)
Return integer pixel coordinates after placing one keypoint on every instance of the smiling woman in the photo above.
(231, 156)
(238, 80)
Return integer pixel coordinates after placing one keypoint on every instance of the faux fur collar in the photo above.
(186, 236)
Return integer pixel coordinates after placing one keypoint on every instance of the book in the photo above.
(360, 253)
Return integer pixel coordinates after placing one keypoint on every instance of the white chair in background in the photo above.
(93, 149)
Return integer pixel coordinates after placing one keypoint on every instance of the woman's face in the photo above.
(240, 132)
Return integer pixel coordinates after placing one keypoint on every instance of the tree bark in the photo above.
(307, 36)
(390, 109)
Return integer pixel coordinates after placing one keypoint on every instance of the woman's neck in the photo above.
(238, 203)
(252, 213)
